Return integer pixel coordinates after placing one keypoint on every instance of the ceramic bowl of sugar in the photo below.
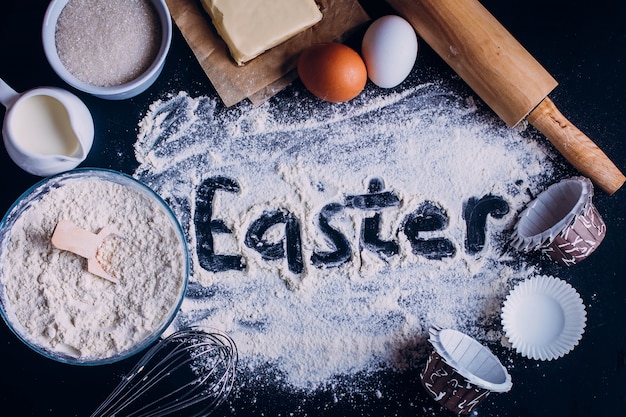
(50, 298)
(112, 49)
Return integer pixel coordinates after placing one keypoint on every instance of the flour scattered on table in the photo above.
(327, 239)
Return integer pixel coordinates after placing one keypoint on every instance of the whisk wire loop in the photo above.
(193, 369)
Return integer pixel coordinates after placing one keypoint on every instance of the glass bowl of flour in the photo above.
(59, 309)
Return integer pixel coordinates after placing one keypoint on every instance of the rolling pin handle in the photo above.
(576, 147)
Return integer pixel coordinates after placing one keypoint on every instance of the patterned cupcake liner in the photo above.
(562, 222)
(460, 372)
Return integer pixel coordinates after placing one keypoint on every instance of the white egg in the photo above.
(389, 49)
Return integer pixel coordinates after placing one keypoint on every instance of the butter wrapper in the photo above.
(269, 73)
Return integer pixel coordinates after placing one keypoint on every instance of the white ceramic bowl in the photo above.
(118, 92)
(169, 308)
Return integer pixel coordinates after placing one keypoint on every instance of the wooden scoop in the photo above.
(505, 76)
(69, 237)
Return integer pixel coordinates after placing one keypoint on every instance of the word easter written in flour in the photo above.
(427, 217)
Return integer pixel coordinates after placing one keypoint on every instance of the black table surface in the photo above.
(582, 45)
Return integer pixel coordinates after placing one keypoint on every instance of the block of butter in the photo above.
(250, 28)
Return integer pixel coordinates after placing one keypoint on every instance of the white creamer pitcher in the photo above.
(46, 130)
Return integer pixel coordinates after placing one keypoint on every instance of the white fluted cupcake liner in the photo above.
(562, 222)
(543, 318)
(460, 373)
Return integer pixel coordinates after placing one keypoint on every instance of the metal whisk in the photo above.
(192, 369)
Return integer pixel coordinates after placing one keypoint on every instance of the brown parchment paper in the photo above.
(267, 74)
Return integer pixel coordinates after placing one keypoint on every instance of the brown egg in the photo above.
(332, 71)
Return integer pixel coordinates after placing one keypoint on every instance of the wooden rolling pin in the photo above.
(505, 76)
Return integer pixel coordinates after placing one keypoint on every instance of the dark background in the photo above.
(583, 45)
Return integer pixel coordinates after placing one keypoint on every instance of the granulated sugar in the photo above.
(327, 239)
(107, 43)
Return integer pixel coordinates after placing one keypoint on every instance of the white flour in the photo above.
(61, 307)
(428, 147)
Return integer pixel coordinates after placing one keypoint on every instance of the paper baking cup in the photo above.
(460, 372)
(562, 222)
(543, 318)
